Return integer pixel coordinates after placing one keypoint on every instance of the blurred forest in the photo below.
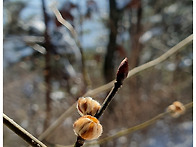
(46, 68)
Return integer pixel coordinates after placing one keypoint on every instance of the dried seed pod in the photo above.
(176, 109)
(88, 127)
(87, 106)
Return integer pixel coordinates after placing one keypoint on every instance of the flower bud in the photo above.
(176, 109)
(88, 127)
(123, 70)
(87, 106)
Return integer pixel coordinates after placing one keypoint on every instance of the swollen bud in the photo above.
(88, 127)
(176, 109)
(123, 70)
(87, 106)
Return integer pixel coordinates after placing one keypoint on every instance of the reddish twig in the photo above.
(120, 76)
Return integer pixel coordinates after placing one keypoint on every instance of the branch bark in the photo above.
(30, 139)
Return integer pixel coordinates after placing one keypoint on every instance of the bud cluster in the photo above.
(88, 127)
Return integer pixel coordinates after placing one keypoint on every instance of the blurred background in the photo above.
(45, 69)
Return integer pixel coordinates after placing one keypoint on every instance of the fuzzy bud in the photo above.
(87, 106)
(176, 109)
(88, 127)
(123, 70)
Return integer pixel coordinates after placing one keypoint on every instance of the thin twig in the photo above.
(80, 141)
(75, 36)
(147, 65)
(30, 139)
(64, 22)
(131, 73)
(130, 130)
(38, 48)
(136, 128)
(27, 39)
(121, 75)
(52, 127)
(117, 85)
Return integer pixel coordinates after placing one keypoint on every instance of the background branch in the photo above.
(147, 65)
(105, 87)
(121, 75)
(130, 130)
(64, 22)
(136, 128)
(30, 139)
(52, 127)
(75, 36)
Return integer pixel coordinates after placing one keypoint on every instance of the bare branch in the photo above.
(63, 21)
(57, 123)
(147, 65)
(132, 72)
(75, 36)
(136, 128)
(121, 75)
(27, 39)
(38, 48)
(30, 139)
(130, 130)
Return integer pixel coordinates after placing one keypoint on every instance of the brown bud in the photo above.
(176, 109)
(88, 127)
(123, 70)
(87, 106)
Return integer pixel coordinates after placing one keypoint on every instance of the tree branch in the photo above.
(147, 65)
(130, 130)
(30, 139)
(52, 127)
(135, 128)
(121, 75)
(131, 73)
(75, 36)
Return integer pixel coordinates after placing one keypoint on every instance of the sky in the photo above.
(94, 26)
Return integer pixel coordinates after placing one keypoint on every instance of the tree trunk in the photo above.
(135, 33)
(47, 70)
(111, 48)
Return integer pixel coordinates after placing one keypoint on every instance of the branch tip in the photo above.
(123, 70)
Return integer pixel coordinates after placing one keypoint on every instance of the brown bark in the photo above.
(135, 33)
(111, 48)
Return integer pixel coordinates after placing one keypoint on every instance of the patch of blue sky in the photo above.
(94, 26)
